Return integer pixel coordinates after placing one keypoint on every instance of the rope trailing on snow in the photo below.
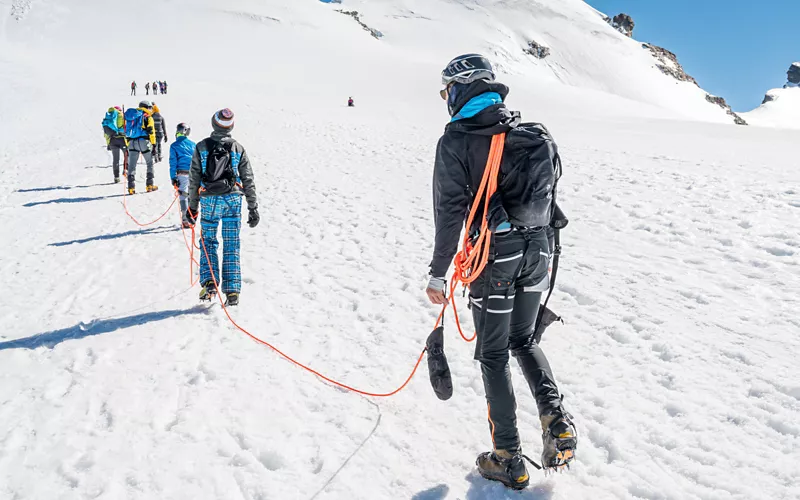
(469, 263)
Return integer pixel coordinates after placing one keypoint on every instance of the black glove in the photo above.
(175, 182)
(253, 218)
(191, 216)
(166, 139)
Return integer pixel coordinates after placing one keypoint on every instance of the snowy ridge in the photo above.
(781, 109)
(679, 283)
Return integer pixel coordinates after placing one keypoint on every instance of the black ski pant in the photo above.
(505, 303)
(116, 149)
(133, 91)
(157, 147)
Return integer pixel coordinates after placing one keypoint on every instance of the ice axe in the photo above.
(438, 368)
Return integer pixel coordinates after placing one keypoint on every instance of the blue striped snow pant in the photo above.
(228, 209)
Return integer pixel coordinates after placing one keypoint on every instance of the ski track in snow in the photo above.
(679, 285)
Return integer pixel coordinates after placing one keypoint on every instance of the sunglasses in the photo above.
(445, 91)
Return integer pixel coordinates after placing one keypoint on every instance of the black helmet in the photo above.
(467, 69)
(145, 104)
(183, 129)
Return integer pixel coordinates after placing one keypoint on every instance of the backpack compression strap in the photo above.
(556, 251)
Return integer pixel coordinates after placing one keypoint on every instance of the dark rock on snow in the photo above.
(355, 15)
(793, 74)
(622, 23)
(668, 63)
(720, 101)
(537, 50)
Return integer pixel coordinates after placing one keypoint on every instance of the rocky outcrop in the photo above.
(719, 101)
(622, 23)
(355, 15)
(793, 75)
(667, 63)
(537, 50)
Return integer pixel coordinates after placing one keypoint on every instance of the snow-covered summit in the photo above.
(585, 52)
(781, 106)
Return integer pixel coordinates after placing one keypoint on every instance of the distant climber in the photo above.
(114, 132)
(351, 103)
(219, 176)
(161, 133)
(165, 87)
(141, 134)
(147, 88)
(133, 87)
(505, 298)
(180, 163)
(155, 87)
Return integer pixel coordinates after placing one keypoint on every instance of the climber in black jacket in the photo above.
(506, 296)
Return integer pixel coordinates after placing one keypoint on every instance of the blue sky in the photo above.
(737, 49)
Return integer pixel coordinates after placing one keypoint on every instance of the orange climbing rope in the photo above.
(471, 260)
(301, 365)
(469, 263)
(189, 247)
(141, 224)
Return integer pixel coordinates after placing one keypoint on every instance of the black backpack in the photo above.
(527, 186)
(528, 175)
(218, 176)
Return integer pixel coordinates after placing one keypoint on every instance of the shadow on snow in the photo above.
(435, 493)
(113, 236)
(61, 188)
(483, 489)
(96, 327)
(71, 200)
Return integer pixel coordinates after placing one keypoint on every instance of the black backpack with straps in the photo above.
(528, 175)
(218, 175)
(528, 182)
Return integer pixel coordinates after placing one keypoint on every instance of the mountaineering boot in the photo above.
(559, 439)
(208, 291)
(232, 299)
(438, 369)
(116, 180)
(505, 467)
(131, 190)
(151, 188)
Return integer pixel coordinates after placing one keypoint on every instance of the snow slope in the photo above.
(782, 111)
(679, 283)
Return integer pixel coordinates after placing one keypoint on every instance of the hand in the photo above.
(166, 139)
(175, 182)
(191, 216)
(253, 218)
(436, 291)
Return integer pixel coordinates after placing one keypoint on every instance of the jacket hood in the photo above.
(155, 109)
(494, 119)
(465, 93)
(491, 121)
